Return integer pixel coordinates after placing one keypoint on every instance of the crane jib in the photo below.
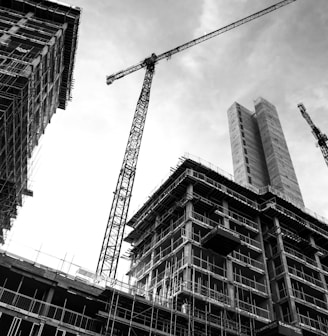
(168, 54)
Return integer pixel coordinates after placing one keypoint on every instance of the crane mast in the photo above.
(112, 241)
(322, 139)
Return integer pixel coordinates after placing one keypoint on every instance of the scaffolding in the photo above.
(200, 256)
(185, 248)
(124, 312)
(273, 280)
(132, 315)
(35, 69)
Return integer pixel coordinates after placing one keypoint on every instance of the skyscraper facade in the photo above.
(37, 51)
(259, 150)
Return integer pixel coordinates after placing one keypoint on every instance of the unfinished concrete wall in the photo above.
(279, 163)
(259, 150)
(247, 152)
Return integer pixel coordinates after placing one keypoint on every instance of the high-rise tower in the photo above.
(37, 50)
(259, 150)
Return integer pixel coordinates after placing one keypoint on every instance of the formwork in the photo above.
(37, 50)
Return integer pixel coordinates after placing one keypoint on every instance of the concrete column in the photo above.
(50, 295)
(231, 289)
(187, 273)
(226, 211)
(150, 277)
(322, 277)
(153, 228)
(190, 191)
(152, 255)
(48, 299)
(151, 266)
(267, 281)
(288, 283)
(187, 278)
(187, 253)
(189, 210)
(189, 205)
(188, 229)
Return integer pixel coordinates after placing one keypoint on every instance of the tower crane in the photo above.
(112, 241)
(322, 139)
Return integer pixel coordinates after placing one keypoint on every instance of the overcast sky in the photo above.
(281, 57)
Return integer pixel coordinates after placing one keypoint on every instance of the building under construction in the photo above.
(209, 257)
(37, 50)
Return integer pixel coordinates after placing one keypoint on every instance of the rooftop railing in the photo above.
(244, 199)
(223, 188)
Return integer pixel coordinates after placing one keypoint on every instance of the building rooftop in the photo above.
(261, 199)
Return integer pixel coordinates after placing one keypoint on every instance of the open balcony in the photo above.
(221, 240)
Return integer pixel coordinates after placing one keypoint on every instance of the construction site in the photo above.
(210, 254)
(209, 257)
